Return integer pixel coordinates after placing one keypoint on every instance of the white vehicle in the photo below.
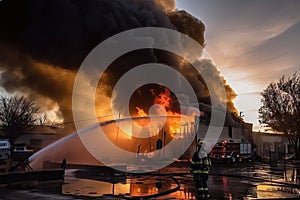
(4, 144)
(4, 149)
(22, 149)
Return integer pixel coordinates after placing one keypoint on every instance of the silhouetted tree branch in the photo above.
(281, 109)
(17, 114)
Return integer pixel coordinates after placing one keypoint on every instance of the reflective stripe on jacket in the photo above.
(200, 165)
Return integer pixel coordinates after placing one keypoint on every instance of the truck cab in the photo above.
(231, 151)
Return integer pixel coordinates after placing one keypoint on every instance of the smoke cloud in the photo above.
(43, 43)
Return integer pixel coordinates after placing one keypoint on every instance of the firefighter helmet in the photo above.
(200, 142)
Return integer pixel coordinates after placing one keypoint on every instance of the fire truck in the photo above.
(231, 151)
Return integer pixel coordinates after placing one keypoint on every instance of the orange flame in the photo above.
(164, 99)
(175, 127)
(141, 112)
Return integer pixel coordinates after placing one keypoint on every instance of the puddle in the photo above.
(132, 187)
(93, 188)
(93, 184)
(266, 190)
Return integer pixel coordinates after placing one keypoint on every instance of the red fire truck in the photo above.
(231, 151)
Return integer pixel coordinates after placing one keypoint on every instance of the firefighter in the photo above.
(63, 165)
(200, 166)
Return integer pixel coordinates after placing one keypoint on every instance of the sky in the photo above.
(253, 43)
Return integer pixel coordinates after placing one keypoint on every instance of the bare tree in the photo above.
(42, 119)
(281, 109)
(17, 114)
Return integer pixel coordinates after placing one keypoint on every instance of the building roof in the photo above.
(45, 130)
(270, 133)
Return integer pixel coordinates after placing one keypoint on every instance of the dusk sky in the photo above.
(252, 42)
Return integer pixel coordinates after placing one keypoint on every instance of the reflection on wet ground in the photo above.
(227, 181)
(133, 187)
(234, 186)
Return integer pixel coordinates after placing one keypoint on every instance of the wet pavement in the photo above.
(227, 181)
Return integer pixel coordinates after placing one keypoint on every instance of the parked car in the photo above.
(22, 149)
(4, 149)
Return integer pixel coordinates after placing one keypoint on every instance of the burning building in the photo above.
(44, 42)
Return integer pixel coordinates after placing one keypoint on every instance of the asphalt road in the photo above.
(227, 181)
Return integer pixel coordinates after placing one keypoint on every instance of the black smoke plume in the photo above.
(43, 42)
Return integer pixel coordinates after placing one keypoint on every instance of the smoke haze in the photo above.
(43, 43)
